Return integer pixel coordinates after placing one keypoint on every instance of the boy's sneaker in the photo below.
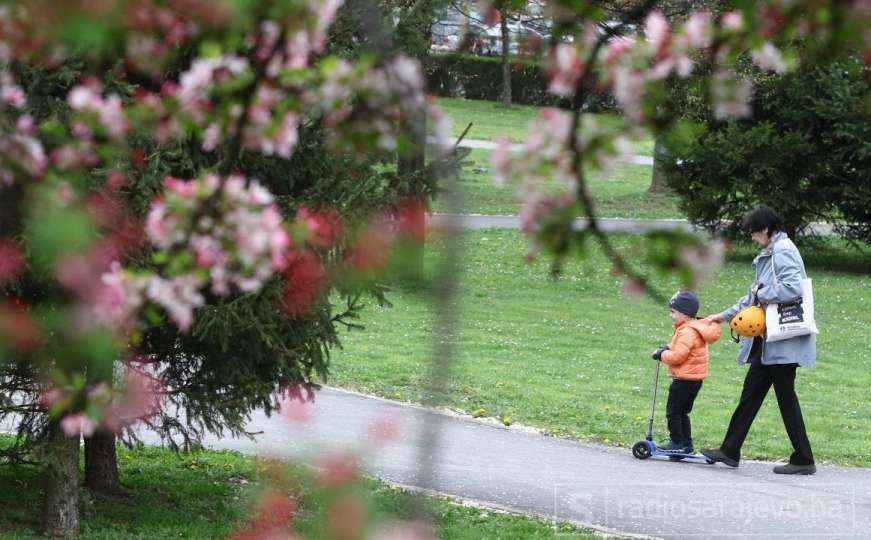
(670, 446)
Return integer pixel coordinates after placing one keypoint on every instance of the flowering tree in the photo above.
(173, 224)
(155, 215)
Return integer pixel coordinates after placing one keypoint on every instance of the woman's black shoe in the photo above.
(795, 469)
(715, 455)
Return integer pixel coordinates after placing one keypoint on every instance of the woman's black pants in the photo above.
(756, 384)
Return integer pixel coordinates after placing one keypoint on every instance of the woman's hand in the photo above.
(716, 317)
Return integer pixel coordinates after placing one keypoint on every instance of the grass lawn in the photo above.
(573, 356)
(208, 494)
(491, 120)
(623, 193)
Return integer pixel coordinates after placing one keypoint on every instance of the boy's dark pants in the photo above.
(681, 395)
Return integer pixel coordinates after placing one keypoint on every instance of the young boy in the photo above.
(687, 359)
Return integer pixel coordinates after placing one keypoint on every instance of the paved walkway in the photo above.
(603, 487)
(632, 226)
(490, 145)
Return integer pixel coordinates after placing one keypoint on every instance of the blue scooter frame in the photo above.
(647, 448)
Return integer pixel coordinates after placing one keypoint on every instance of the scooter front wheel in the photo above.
(641, 450)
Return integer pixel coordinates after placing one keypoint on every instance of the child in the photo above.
(687, 359)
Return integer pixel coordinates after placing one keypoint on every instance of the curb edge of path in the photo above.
(512, 511)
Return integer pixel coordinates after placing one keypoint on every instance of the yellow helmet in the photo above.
(749, 322)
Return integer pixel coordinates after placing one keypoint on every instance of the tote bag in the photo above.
(789, 320)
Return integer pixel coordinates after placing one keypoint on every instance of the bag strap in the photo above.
(774, 270)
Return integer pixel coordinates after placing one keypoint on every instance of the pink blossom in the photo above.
(211, 137)
(324, 10)
(769, 57)
(143, 395)
(296, 411)
(500, 158)
(324, 227)
(207, 250)
(339, 468)
(298, 391)
(241, 247)
(661, 69)
(179, 296)
(733, 20)
(178, 186)
(77, 424)
(11, 93)
(117, 298)
(629, 91)
(51, 397)
(372, 248)
(298, 50)
(274, 512)
(385, 428)
(408, 77)
(541, 206)
(657, 30)
(24, 125)
(75, 272)
(109, 110)
(22, 150)
(266, 39)
(324, 14)
(196, 82)
(11, 260)
(410, 216)
(305, 281)
(544, 155)
(566, 69)
(281, 142)
(617, 47)
(17, 327)
(698, 30)
(361, 106)
(160, 227)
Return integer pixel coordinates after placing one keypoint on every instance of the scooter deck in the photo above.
(646, 449)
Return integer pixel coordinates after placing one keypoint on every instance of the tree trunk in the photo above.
(506, 64)
(101, 462)
(658, 183)
(60, 517)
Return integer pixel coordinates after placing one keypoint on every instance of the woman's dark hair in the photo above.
(763, 218)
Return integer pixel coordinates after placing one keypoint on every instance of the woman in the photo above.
(770, 363)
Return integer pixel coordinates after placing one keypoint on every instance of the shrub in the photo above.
(806, 151)
(479, 77)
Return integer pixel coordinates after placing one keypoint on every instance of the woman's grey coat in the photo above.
(790, 272)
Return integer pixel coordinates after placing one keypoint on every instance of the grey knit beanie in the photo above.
(685, 301)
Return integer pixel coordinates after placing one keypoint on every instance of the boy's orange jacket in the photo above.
(687, 354)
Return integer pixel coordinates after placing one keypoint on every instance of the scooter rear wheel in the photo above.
(641, 450)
